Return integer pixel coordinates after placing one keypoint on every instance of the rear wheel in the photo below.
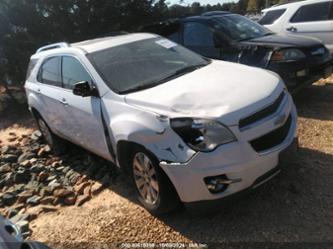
(57, 144)
(155, 191)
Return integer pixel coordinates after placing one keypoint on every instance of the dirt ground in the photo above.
(295, 207)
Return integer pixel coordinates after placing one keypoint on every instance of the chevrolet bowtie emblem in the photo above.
(280, 119)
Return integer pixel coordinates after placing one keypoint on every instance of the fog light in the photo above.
(217, 184)
(301, 73)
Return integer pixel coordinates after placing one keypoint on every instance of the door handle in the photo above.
(292, 29)
(64, 102)
(38, 91)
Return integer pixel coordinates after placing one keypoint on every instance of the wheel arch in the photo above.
(35, 113)
(124, 150)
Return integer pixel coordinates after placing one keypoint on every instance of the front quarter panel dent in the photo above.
(156, 136)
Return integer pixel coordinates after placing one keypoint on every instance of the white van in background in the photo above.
(307, 18)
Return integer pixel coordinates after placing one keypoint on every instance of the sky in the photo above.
(201, 1)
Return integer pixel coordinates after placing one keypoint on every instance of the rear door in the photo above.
(48, 88)
(314, 20)
(82, 115)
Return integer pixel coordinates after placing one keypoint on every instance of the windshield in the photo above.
(143, 64)
(239, 28)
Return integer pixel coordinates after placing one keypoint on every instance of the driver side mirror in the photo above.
(84, 89)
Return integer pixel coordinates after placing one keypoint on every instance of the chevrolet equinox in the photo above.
(185, 129)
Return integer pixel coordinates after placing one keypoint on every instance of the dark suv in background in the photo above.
(231, 37)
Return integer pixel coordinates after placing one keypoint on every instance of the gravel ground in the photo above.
(295, 207)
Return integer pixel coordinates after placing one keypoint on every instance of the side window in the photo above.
(49, 73)
(31, 66)
(312, 13)
(198, 34)
(73, 72)
(271, 16)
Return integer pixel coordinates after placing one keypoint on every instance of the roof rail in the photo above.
(53, 46)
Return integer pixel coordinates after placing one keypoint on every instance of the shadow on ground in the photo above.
(315, 102)
(295, 206)
(16, 114)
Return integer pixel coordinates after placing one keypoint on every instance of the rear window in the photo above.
(271, 16)
(31, 66)
(313, 12)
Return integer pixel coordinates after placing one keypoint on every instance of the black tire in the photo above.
(57, 144)
(167, 199)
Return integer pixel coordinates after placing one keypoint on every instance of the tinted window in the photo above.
(143, 64)
(198, 34)
(73, 72)
(50, 72)
(313, 12)
(271, 16)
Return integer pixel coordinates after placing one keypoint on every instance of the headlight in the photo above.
(201, 134)
(291, 54)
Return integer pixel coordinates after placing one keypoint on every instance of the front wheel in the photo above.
(155, 191)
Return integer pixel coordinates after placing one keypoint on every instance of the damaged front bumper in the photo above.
(238, 162)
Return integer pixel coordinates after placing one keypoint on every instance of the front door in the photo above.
(82, 115)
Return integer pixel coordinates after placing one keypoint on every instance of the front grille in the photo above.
(273, 138)
(267, 111)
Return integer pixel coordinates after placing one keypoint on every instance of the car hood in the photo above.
(283, 41)
(221, 90)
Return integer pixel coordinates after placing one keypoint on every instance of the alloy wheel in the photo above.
(145, 178)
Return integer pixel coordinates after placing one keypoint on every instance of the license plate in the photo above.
(328, 71)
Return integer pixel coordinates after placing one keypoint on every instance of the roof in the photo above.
(90, 46)
(111, 41)
(293, 4)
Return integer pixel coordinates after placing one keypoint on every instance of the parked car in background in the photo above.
(231, 37)
(183, 127)
(11, 238)
(255, 17)
(312, 18)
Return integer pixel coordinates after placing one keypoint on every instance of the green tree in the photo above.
(29, 24)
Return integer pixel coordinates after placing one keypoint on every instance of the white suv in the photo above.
(184, 128)
(308, 18)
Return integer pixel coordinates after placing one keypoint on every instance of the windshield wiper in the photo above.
(181, 72)
(138, 88)
(254, 37)
(246, 39)
(269, 33)
(178, 73)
